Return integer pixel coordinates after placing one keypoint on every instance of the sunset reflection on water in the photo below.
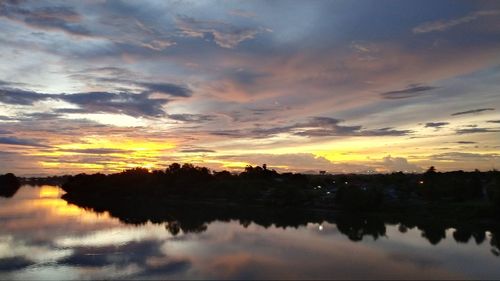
(44, 237)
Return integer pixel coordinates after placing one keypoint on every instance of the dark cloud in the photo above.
(472, 111)
(493, 121)
(315, 127)
(437, 125)
(116, 76)
(93, 102)
(5, 118)
(137, 252)
(11, 84)
(14, 263)
(197, 150)
(196, 118)
(466, 142)
(325, 126)
(46, 18)
(122, 255)
(124, 103)
(388, 131)
(22, 142)
(476, 130)
(21, 97)
(411, 91)
(228, 133)
(245, 77)
(38, 116)
(106, 70)
(70, 110)
(167, 88)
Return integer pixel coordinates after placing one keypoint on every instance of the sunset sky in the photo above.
(341, 86)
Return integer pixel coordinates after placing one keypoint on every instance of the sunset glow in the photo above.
(337, 86)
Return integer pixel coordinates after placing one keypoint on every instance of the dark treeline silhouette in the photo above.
(254, 185)
(9, 185)
(472, 193)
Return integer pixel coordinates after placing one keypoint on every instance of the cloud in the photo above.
(21, 142)
(39, 116)
(225, 35)
(388, 131)
(98, 102)
(45, 18)
(476, 130)
(443, 25)
(122, 255)
(244, 77)
(11, 84)
(196, 118)
(466, 142)
(411, 91)
(493, 121)
(158, 45)
(197, 150)
(399, 164)
(472, 111)
(21, 97)
(167, 88)
(436, 125)
(116, 76)
(463, 156)
(315, 127)
(96, 151)
(138, 253)
(14, 263)
(125, 103)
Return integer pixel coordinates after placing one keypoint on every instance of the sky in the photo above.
(303, 86)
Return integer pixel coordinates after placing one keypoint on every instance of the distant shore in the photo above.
(463, 194)
(467, 195)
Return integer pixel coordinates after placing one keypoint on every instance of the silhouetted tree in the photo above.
(9, 185)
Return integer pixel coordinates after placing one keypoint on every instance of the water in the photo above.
(44, 237)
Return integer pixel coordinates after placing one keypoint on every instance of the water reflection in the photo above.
(44, 237)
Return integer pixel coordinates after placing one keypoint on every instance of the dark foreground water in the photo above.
(44, 237)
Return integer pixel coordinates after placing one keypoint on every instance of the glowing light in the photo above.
(49, 192)
(121, 153)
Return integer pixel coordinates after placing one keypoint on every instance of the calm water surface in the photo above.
(44, 237)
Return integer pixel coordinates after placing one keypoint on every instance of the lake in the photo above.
(44, 237)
